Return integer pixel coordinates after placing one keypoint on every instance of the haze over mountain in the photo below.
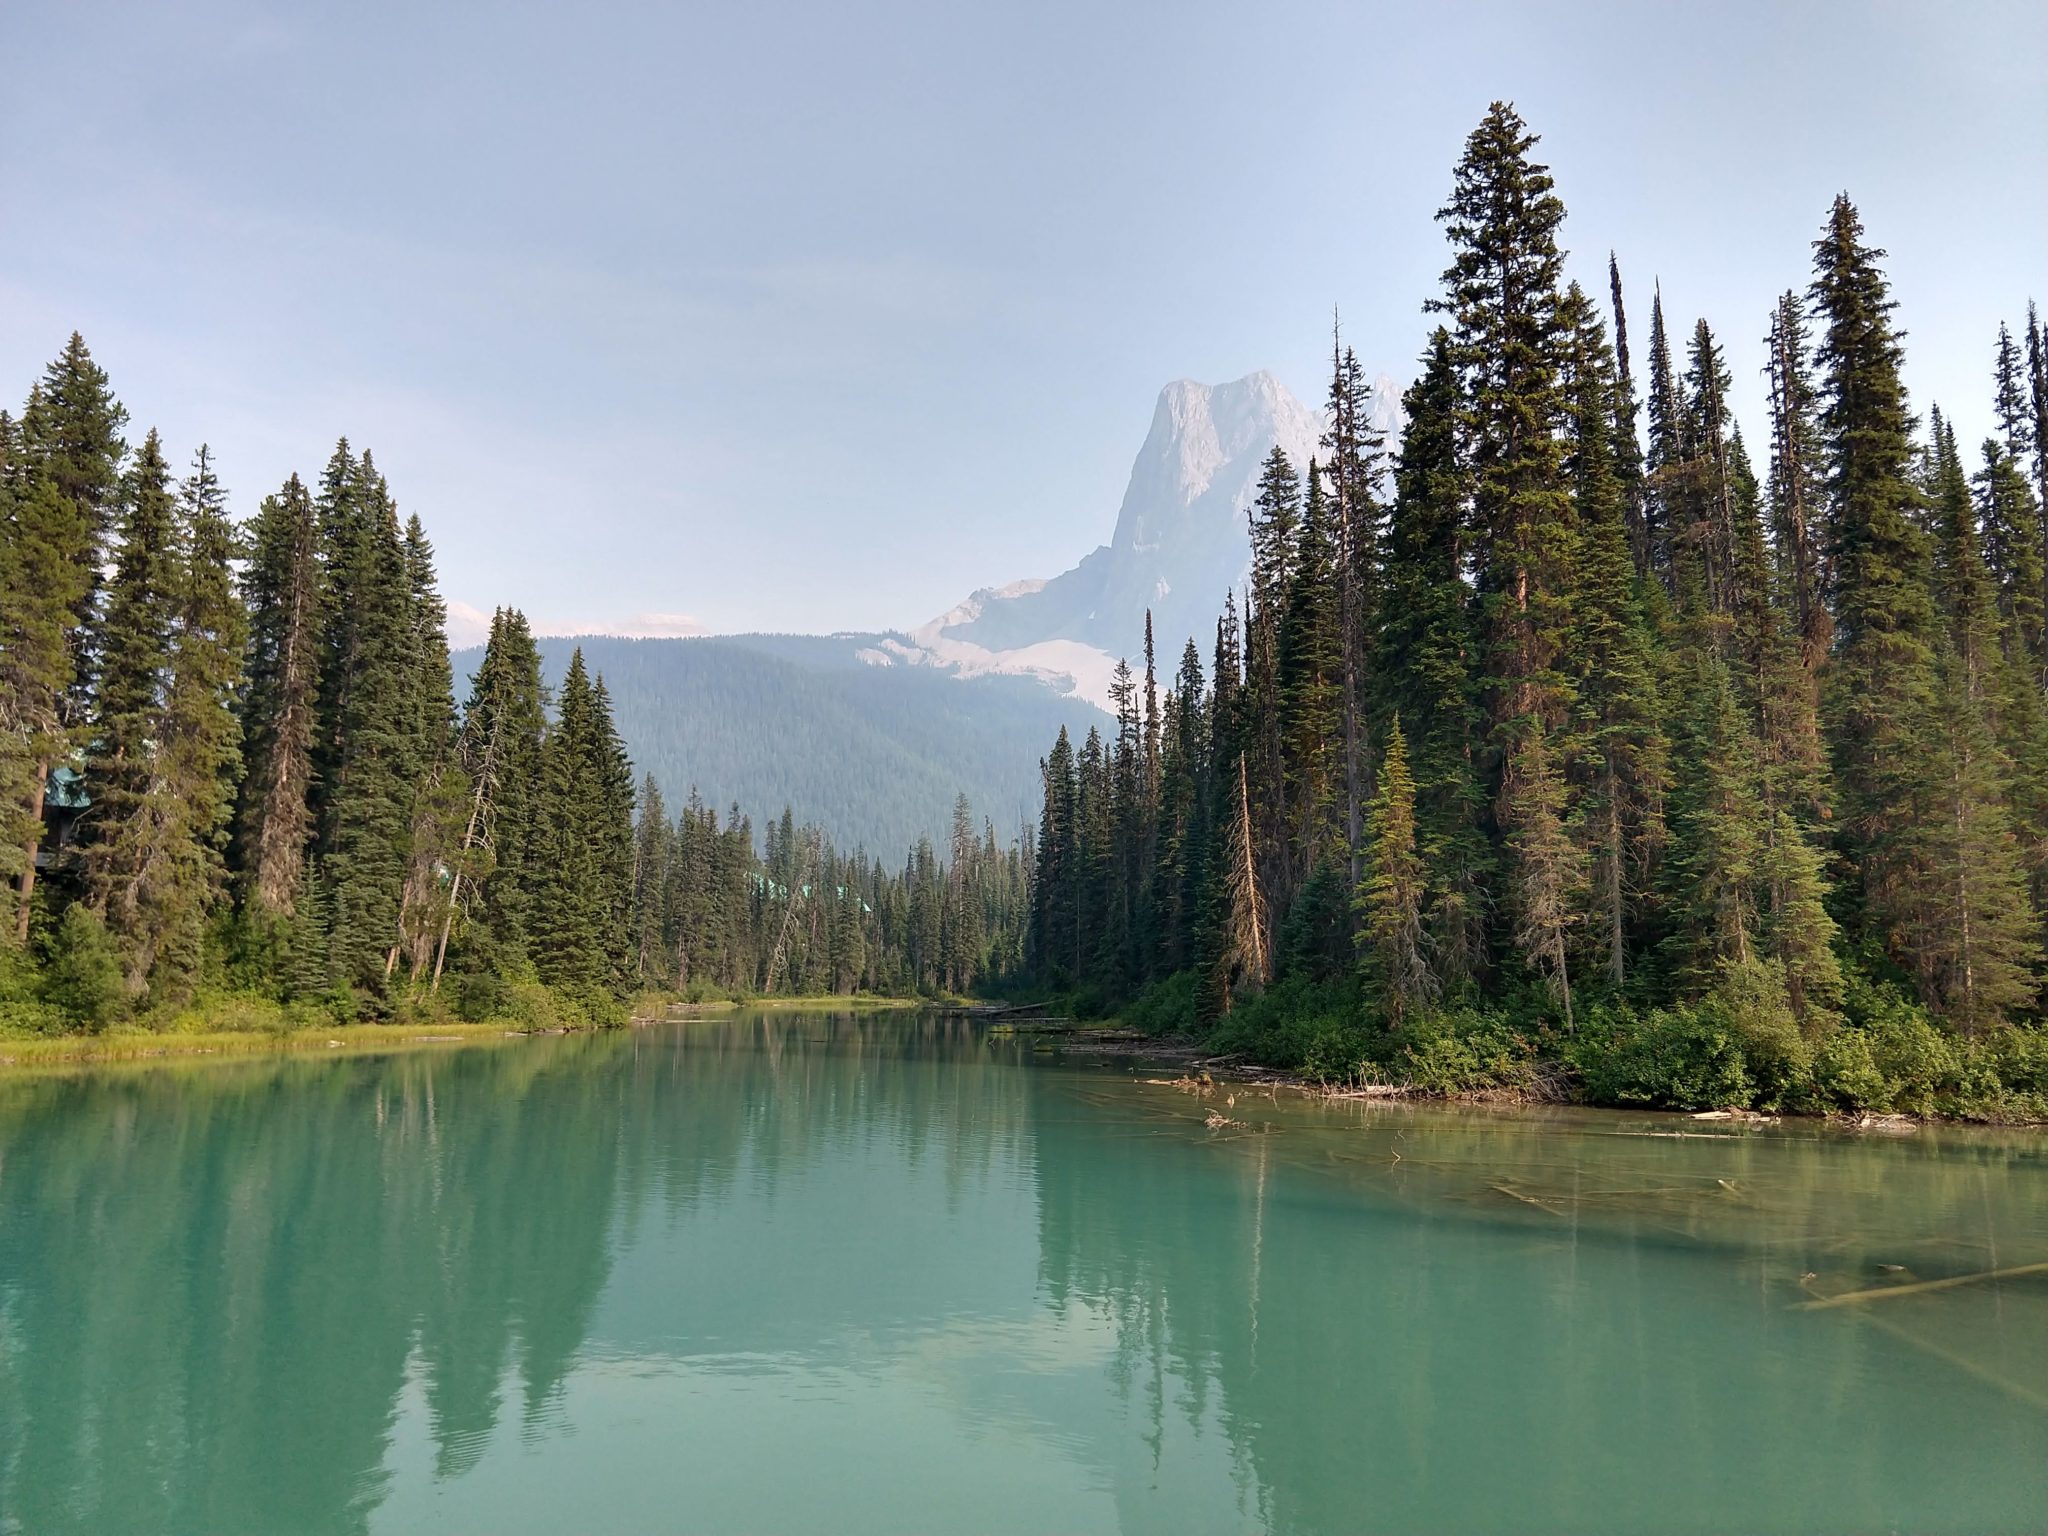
(1181, 543)
(874, 757)
(872, 735)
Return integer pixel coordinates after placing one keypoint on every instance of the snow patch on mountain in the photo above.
(1182, 542)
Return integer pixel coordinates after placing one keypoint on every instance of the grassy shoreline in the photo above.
(137, 1045)
(857, 1002)
(25, 1053)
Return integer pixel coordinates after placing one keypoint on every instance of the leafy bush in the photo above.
(2021, 1054)
(481, 995)
(1465, 1050)
(31, 1016)
(530, 1006)
(703, 990)
(1334, 1048)
(242, 1012)
(1283, 1025)
(1164, 1008)
(1918, 1068)
(1439, 1062)
(1754, 1007)
(1682, 1058)
(1846, 1076)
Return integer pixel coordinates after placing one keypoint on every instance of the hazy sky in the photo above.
(817, 316)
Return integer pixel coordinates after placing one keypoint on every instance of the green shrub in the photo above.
(2021, 1054)
(1164, 1008)
(241, 1012)
(82, 972)
(1465, 1050)
(20, 981)
(1845, 1074)
(1892, 1057)
(530, 1006)
(1283, 1025)
(1441, 1063)
(306, 1013)
(342, 1006)
(1679, 1058)
(1333, 1048)
(1920, 1065)
(481, 995)
(649, 1003)
(1754, 1007)
(31, 1016)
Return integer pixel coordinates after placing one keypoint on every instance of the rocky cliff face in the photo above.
(1181, 543)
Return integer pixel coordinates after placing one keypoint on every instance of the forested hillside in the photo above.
(238, 787)
(1563, 747)
(874, 755)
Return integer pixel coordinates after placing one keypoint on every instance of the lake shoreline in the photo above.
(35, 1053)
(32, 1052)
(1102, 1041)
(1109, 1041)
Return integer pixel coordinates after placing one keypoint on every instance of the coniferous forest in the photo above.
(1564, 746)
(1572, 745)
(239, 789)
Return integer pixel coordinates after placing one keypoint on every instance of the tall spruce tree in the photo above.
(568, 914)
(1714, 873)
(1617, 734)
(1881, 689)
(2037, 399)
(1276, 541)
(44, 537)
(1796, 488)
(198, 760)
(503, 851)
(124, 833)
(1502, 291)
(281, 587)
(1665, 457)
(1311, 694)
(612, 834)
(71, 432)
(1392, 954)
(1054, 928)
(653, 841)
(1964, 587)
(1353, 453)
(440, 795)
(2012, 551)
(367, 725)
(1975, 942)
(1426, 672)
(1628, 446)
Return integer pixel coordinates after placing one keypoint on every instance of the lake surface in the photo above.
(892, 1273)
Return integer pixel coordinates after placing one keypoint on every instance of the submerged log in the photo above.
(1922, 1287)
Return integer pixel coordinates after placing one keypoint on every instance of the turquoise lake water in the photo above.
(886, 1273)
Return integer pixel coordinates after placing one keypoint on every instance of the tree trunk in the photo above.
(27, 883)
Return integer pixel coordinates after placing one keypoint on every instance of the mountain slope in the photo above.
(872, 736)
(874, 755)
(1182, 541)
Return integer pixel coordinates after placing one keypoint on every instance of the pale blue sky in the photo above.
(813, 316)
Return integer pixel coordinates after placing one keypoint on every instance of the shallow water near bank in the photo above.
(813, 1272)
